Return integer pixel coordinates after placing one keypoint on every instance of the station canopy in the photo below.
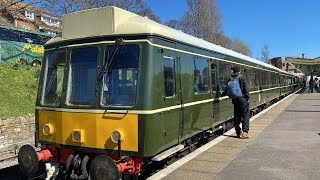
(306, 66)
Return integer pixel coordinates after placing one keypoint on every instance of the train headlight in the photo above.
(78, 135)
(117, 135)
(48, 129)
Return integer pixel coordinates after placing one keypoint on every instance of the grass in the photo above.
(18, 88)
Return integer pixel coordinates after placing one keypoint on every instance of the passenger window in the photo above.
(213, 76)
(245, 73)
(224, 73)
(169, 78)
(250, 77)
(256, 74)
(201, 74)
(269, 78)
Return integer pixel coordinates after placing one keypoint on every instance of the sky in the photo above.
(288, 27)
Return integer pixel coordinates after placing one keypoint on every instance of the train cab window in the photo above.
(121, 80)
(224, 75)
(169, 79)
(213, 76)
(53, 80)
(201, 75)
(82, 76)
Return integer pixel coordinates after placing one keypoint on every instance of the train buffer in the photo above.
(285, 145)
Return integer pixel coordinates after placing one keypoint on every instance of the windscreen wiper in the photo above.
(111, 58)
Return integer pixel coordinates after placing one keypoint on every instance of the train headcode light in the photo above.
(48, 129)
(117, 135)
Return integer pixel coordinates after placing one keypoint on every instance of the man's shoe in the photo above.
(245, 135)
(239, 134)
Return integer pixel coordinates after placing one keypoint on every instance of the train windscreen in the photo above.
(82, 76)
(120, 82)
(54, 73)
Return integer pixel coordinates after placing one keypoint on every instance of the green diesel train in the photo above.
(118, 91)
(21, 45)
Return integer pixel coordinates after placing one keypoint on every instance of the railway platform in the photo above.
(285, 145)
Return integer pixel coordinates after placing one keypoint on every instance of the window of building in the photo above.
(29, 14)
(201, 74)
(50, 21)
(169, 79)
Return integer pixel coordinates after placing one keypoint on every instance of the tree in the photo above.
(16, 4)
(61, 7)
(224, 41)
(173, 23)
(265, 53)
(202, 20)
(240, 47)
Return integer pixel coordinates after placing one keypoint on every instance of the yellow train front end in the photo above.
(82, 126)
(79, 127)
(86, 87)
(88, 129)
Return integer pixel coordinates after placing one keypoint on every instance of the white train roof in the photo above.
(115, 21)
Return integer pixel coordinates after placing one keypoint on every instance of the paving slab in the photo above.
(189, 174)
(203, 166)
(223, 150)
(216, 157)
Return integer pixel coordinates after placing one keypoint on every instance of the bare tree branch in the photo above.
(265, 53)
(240, 47)
(61, 7)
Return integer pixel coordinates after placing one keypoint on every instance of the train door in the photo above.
(180, 91)
(215, 93)
(172, 99)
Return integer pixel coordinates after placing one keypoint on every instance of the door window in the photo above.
(169, 78)
(213, 76)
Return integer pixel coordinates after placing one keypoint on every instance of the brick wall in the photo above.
(15, 132)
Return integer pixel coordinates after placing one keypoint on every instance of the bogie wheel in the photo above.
(103, 168)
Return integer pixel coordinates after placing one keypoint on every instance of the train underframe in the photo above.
(61, 163)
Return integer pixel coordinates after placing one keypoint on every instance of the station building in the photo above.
(21, 16)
